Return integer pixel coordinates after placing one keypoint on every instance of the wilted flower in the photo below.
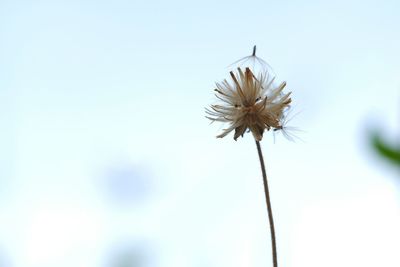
(249, 103)
(253, 103)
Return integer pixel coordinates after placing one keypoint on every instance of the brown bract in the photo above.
(249, 102)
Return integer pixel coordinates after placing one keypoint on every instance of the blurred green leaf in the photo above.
(389, 152)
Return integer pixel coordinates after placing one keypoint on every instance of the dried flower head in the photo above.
(249, 103)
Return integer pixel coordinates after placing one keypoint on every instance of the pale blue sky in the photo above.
(106, 94)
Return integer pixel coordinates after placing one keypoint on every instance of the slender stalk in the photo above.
(267, 197)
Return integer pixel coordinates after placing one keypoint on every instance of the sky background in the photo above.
(106, 158)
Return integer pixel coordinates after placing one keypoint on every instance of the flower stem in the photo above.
(267, 197)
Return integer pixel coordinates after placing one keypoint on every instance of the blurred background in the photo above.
(106, 159)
